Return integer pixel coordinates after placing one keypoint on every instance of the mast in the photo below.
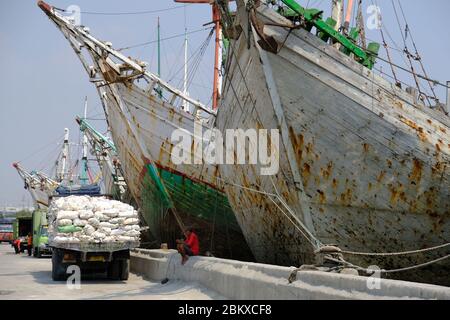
(218, 31)
(447, 109)
(159, 57)
(61, 175)
(336, 13)
(185, 103)
(84, 161)
(348, 16)
(105, 152)
(217, 53)
(360, 25)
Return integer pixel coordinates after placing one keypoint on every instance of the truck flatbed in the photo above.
(96, 247)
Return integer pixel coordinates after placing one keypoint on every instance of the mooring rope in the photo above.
(371, 271)
(379, 254)
(385, 254)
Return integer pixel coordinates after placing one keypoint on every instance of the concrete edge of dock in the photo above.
(254, 281)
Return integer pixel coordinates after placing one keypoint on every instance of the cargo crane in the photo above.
(38, 184)
(106, 154)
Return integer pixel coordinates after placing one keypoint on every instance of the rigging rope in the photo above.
(124, 13)
(408, 54)
(161, 40)
(381, 254)
(371, 271)
(388, 254)
(418, 57)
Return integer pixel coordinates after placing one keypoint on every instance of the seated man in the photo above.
(189, 247)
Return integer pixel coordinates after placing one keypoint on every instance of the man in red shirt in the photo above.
(189, 247)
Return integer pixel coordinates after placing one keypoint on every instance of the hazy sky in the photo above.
(43, 84)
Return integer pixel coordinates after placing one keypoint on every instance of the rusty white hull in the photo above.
(140, 120)
(40, 197)
(141, 125)
(155, 121)
(129, 152)
(108, 181)
(361, 164)
(38, 185)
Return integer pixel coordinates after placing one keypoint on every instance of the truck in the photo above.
(114, 259)
(22, 227)
(40, 234)
(6, 230)
(91, 257)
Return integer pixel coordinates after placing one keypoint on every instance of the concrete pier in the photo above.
(244, 280)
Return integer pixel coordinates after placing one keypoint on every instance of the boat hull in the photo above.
(138, 122)
(361, 164)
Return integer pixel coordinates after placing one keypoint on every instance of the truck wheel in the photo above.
(58, 270)
(125, 269)
(114, 270)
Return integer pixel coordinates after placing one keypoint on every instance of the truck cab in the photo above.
(22, 226)
(6, 232)
(40, 234)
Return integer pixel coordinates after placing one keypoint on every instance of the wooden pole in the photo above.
(216, 19)
(348, 16)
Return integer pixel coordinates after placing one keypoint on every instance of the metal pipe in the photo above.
(448, 98)
(348, 16)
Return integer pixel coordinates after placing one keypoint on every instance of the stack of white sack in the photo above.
(76, 219)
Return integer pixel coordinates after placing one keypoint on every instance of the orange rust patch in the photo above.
(438, 147)
(366, 147)
(437, 168)
(171, 114)
(381, 176)
(420, 132)
(346, 197)
(297, 142)
(322, 197)
(306, 172)
(326, 172)
(369, 187)
(422, 135)
(301, 140)
(442, 130)
(416, 174)
(396, 193)
(309, 148)
(389, 163)
(429, 121)
(334, 184)
(430, 198)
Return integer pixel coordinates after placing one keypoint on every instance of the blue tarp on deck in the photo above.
(89, 190)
